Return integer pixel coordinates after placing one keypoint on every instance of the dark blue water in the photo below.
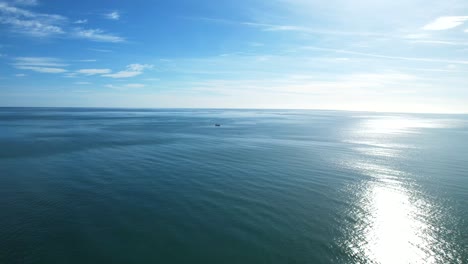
(167, 186)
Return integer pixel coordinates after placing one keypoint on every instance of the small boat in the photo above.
(218, 125)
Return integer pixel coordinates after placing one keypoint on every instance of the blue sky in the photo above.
(405, 56)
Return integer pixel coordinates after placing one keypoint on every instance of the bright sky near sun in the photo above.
(398, 55)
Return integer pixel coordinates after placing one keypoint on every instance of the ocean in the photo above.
(82, 185)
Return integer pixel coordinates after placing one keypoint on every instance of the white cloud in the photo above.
(131, 71)
(70, 75)
(20, 75)
(31, 23)
(101, 50)
(41, 69)
(139, 67)
(97, 35)
(440, 42)
(446, 22)
(293, 28)
(386, 56)
(417, 36)
(123, 74)
(126, 86)
(27, 2)
(285, 28)
(113, 15)
(135, 85)
(94, 71)
(82, 83)
(40, 64)
(39, 61)
(81, 21)
(36, 24)
(88, 60)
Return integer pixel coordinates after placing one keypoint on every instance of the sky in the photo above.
(364, 55)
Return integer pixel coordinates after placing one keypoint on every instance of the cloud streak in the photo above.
(446, 22)
(440, 42)
(81, 21)
(94, 71)
(132, 70)
(40, 64)
(125, 86)
(31, 23)
(97, 35)
(388, 57)
(115, 15)
(26, 2)
(41, 69)
(36, 24)
(291, 28)
(39, 61)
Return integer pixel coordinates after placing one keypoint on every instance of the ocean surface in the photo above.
(267, 186)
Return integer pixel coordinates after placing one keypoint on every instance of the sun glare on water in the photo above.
(392, 220)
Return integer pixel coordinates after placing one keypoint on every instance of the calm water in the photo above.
(166, 186)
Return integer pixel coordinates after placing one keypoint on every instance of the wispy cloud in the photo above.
(97, 35)
(39, 61)
(131, 71)
(388, 57)
(125, 86)
(417, 36)
(40, 64)
(82, 83)
(440, 42)
(135, 85)
(101, 50)
(70, 75)
(115, 15)
(81, 21)
(94, 71)
(446, 22)
(290, 28)
(346, 84)
(26, 2)
(31, 23)
(88, 60)
(20, 75)
(42, 69)
(21, 20)
(123, 74)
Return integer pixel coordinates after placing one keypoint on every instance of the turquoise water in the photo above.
(167, 186)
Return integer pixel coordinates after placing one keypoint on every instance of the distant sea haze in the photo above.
(266, 186)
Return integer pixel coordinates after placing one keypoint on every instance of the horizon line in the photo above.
(237, 108)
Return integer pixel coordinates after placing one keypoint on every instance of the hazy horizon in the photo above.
(221, 108)
(233, 108)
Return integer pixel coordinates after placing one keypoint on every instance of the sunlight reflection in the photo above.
(399, 124)
(394, 234)
(390, 225)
